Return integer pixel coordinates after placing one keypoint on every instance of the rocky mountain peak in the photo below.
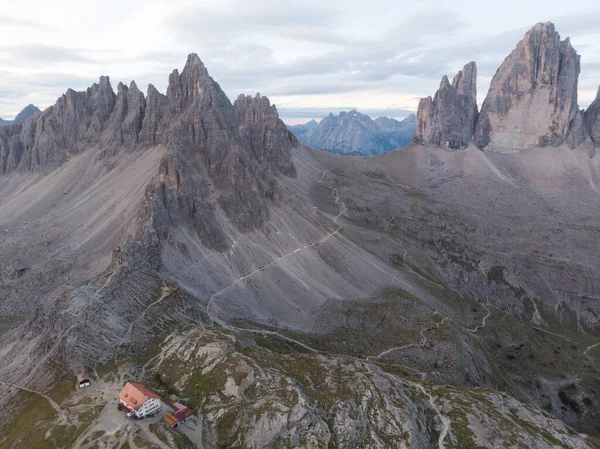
(448, 119)
(532, 99)
(28, 111)
(592, 119)
(103, 98)
(192, 84)
(465, 81)
(258, 122)
(194, 113)
(194, 62)
(445, 83)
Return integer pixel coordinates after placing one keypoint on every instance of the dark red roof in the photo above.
(183, 413)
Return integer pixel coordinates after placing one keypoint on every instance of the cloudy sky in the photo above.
(310, 57)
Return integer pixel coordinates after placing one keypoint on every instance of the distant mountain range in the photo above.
(28, 111)
(300, 130)
(355, 134)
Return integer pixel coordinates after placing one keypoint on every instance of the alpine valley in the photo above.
(444, 295)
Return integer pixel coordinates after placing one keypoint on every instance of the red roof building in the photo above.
(138, 399)
(180, 415)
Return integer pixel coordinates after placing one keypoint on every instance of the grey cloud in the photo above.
(37, 53)
(311, 88)
(579, 23)
(270, 17)
(315, 34)
(428, 22)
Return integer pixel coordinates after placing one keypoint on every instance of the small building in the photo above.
(139, 400)
(180, 415)
(83, 381)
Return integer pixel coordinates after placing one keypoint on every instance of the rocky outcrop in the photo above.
(27, 112)
(258, 123)
(73, 123)
(353, 133)
(532, 101)
(448, 119)
(126, 119)
(578, 132)
(592, 119)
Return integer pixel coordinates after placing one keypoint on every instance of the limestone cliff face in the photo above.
(74, 122)
(268, 138)
(127, 116)
(448, 119)
(212, 144)
(592, 119)
(235, 150)
(532, 101)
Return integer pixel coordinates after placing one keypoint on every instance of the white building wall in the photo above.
(149, 406)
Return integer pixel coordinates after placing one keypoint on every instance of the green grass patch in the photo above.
(28, 428)
(62, 389)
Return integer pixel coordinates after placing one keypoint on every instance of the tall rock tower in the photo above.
(448, 120)
(532, 101)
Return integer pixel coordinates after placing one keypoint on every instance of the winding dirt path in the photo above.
(590, 348)
(222, 323)
(54, 405)
(410, 345)
(444, 420)
(483, 323)
(418, 274)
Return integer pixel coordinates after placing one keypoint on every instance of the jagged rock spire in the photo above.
(532, 99)
(190, 86)
(448, 119)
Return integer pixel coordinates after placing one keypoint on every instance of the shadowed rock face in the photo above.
(233, 149)
(448, 119)
(213, 144)
(127, 116)
(268, 138)
(74, 122)
(592, 119)
(532, 99)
